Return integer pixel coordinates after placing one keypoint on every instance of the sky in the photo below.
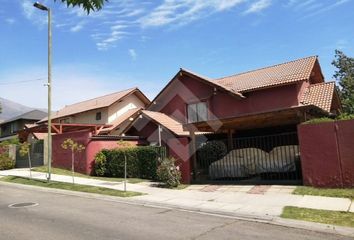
(143, 43)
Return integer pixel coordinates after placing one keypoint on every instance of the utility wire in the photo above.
(24, 81)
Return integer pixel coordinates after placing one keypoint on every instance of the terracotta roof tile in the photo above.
(320, 95)
(166, 121)
(284, 73)
(91, 104)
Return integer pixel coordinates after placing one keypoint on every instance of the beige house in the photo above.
(112, 109)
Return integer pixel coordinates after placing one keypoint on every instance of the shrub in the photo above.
(345, 116)
(6, 162)
(319, 120)
(142, 162)
(168, 173)
(211, 151)
(100, 164)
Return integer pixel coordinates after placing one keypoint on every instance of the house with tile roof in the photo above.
(112, 110)
(10, 127)
(265, 101)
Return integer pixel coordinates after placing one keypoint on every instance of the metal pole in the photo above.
(49, 93)
(160, 130)
(125, 172)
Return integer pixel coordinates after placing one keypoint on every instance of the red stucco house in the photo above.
(192, 109)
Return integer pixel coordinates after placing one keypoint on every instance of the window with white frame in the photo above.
(197, 112)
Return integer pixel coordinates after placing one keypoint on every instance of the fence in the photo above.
(36, 154)
(327, 153)
(264, 159)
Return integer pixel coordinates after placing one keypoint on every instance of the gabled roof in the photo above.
(212, 82)
(31, 115)
(200, 78)
(96, 103)
(121, 119)
(166, 121)
(320, 95)
(279, 74)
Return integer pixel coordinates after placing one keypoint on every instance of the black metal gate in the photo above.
(36, 154)
(267, 159)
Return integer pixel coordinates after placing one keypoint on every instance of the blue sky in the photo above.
(144, 43)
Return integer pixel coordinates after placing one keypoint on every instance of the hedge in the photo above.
(340, 117)
(142, 162)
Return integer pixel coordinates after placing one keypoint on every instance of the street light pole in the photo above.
(49, 85)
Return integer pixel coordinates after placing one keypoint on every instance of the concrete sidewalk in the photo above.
(251, 201)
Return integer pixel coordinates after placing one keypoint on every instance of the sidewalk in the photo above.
(256, 201)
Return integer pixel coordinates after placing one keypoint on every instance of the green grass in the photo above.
(69, 186)
(321, 216)
(66, 172)
(327, 192)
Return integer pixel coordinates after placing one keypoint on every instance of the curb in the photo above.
(272, 220)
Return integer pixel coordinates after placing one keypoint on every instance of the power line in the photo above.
(23, 81)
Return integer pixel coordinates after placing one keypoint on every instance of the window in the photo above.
(197, 112)
(98, 116)
(13, 127)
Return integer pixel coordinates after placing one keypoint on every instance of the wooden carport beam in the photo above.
(98, 130)
(58, 131)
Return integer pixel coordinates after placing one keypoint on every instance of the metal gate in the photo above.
(267, 159)
(36, 153)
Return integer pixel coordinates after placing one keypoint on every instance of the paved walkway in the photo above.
(255, 201)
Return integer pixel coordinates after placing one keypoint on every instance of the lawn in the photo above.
(321, 216)
(69, 186)
(65, 172)
(328, 192)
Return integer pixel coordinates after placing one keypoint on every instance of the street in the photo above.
(60, 216)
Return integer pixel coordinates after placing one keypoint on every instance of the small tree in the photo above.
(124, 144)
(74, 147)
(25, 150)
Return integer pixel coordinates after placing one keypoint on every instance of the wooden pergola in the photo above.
(59, 128)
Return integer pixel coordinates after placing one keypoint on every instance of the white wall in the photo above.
(119, 108)
(108, 114)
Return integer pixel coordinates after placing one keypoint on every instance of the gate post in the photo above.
(193, 153)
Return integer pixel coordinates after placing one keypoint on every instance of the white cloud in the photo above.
(77, 27)
(185, 11)
(35, 15)
(133, 54)
(258, 6)
(326, 8)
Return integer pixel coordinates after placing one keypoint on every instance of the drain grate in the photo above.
(23, 205)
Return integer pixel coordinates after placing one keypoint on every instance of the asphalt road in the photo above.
(60, 216)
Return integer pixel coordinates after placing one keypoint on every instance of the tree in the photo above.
(126, 145)
(345, 77)
(87, 5)
(74, 147)
(25, 150)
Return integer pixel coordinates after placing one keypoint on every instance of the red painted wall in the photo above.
(327, 154)
(222, 105)
(179, 149)
(84, 161)
(62, 158)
